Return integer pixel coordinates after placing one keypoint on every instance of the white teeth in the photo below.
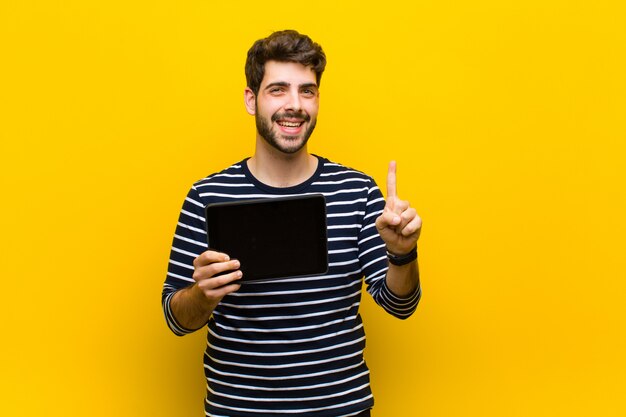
(290, 124)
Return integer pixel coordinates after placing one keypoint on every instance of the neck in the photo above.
(278, 169)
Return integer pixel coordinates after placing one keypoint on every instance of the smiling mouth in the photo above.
(285, 123)
(290, 121)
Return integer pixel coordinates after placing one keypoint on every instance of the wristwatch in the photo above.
(400, 260)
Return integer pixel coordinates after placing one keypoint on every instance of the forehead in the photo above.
(288, 72)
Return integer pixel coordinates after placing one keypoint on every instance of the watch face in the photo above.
(273, 237)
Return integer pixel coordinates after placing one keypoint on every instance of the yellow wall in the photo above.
(508, 123)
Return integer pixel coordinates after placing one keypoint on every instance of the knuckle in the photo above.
(380, 221)
(202, 285)
(213, 270)
(201, 259)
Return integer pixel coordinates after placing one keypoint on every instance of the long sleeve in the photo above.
(374, 264)
(189, 242)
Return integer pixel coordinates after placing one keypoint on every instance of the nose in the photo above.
(293, 102)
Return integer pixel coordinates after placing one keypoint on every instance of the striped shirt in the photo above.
(292, 346)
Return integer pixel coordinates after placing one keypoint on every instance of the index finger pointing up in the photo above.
(391, 180)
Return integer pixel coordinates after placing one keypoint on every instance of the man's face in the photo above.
(286, 106)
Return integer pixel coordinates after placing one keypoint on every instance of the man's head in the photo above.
(283, 46)
(283, 72)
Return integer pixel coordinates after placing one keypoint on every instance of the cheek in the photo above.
(272, 110)
(267, 106)
(313, 109)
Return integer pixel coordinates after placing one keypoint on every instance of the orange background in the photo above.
(507, 121)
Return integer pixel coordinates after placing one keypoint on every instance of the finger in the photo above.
(413, 227)
(213, 269)
(391, 181)
(401, 206)
(407, 215)
(221, 292)
(387, 219)
(217, 282)
(208, 257)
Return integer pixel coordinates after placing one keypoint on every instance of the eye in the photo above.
(308, 92)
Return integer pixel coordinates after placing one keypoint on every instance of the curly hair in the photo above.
(283, 46)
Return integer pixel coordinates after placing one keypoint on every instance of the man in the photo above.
(292, 346)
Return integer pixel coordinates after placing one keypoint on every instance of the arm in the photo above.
(192, 306)
(399, 226)
(403, 280)
(190, 292)
(395, 288)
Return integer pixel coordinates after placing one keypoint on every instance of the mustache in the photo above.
(302, 116)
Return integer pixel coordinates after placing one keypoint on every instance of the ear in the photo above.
(249, 100)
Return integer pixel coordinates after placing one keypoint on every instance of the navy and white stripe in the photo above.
(292, 346)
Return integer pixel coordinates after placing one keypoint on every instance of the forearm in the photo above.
(403, 280)
(191, 308)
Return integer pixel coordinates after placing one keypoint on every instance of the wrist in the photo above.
(402, 259)
(197, 297)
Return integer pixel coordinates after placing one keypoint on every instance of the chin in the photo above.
(291, 150)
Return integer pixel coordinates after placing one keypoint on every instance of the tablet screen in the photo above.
(272, 237)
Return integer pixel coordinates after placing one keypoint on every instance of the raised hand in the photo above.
(399, 225)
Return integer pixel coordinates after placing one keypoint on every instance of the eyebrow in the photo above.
(286, 84)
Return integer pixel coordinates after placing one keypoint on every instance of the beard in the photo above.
(294, 143)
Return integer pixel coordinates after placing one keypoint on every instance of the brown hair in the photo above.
(283, 46)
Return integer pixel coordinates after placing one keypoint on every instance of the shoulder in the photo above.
(230, 175)
(224, 185)
(335, 170)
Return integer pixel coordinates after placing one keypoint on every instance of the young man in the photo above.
(292, 346)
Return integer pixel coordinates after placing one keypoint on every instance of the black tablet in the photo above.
(276, 237)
